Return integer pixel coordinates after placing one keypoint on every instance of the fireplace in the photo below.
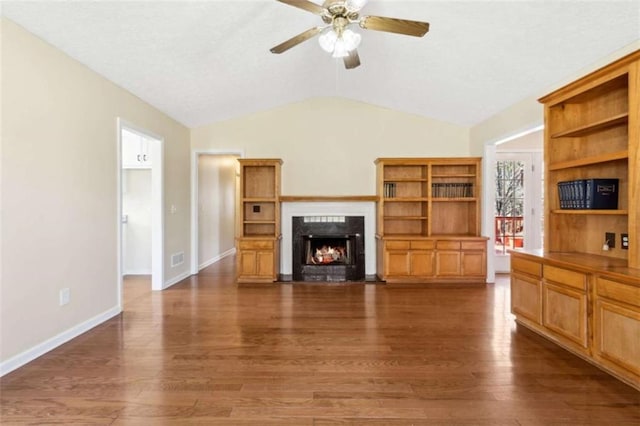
(328, 248)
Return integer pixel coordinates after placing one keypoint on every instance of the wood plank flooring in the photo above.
(209, 352)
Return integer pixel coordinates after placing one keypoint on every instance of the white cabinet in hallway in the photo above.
(136, 151)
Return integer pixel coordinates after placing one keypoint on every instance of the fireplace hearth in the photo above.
(328, 248)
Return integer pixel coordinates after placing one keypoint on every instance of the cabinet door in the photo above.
(130, 150)
(264, 263)
(145, 152)
(247, 263)
(397, 263)
(473, 264)
(526, 297)
(448, 264)
(565, 312)
(421, 263)
(136, 151)
(617, 336)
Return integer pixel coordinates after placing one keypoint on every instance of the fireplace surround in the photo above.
(328, 206)
(328, 248)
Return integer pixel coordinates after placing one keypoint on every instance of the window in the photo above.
(509, 205)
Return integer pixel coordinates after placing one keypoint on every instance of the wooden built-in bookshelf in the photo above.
(258, 217)
(579, 293)
(422, 201)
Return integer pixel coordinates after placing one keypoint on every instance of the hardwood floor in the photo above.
(209, 352)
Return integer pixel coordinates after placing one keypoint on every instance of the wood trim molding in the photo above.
(326, 198)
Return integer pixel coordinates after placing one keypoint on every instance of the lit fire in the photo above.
(328, 254)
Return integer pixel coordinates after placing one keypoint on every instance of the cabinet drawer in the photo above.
(448, 245)
(526, 266)
(473, 245)
(564, 276)
(397, 245)
(422, 245)
(618, 291)
(256, 244)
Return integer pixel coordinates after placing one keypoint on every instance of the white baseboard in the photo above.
(176, 280)
(217, 258)
(52, 343)
(138, 272)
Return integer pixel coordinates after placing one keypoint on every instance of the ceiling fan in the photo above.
(336, 38)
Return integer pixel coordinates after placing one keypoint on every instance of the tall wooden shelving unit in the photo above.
(428, 224)
(258, 220)
(575, 293)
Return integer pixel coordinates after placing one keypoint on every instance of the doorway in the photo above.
(518, 204)
(525, 146)
(140, 205)
(213, 206)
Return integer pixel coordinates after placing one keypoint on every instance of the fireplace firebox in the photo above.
(328, 248)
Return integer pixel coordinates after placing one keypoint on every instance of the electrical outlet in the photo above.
(65, 296)
(624, 241)
(610, 239)
(256, 209)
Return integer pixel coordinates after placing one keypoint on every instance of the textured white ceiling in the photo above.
(206, 61)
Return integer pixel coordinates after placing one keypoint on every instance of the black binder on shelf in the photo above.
(589, 194)
(601, 194)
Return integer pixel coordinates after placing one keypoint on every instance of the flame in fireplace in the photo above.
(328, 254)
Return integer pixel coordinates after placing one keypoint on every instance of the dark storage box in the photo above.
(591, 194)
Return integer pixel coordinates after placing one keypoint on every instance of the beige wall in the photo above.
(529, 113)
(329, 144)
(216, 206)
(59, 195)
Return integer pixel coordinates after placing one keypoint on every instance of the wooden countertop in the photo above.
(588, 263)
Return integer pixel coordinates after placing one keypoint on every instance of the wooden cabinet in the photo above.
(257, 259)
(617, 326)
(436, 259)
(570, 299)
(136, 151)
(428, 220)
(589, 298)
(409, 259)
(526, 289)
(565, 304)
(258, 220)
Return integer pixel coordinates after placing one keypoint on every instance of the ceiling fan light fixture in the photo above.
(354, 4)
(340, 50)
(327, 40)
(351, 39)
(339, 46)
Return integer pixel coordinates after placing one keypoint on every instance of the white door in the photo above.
(518, 205)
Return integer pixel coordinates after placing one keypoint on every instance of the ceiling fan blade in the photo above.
(294, 41)
(305, 5)
(394, 25)
(352, 60)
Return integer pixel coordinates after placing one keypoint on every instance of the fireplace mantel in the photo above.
(326, 198)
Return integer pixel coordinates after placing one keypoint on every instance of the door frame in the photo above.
(532, 211)
(195, 156)
(157, 204)
(489, 184)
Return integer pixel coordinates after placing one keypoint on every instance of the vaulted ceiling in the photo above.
(205, 61)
